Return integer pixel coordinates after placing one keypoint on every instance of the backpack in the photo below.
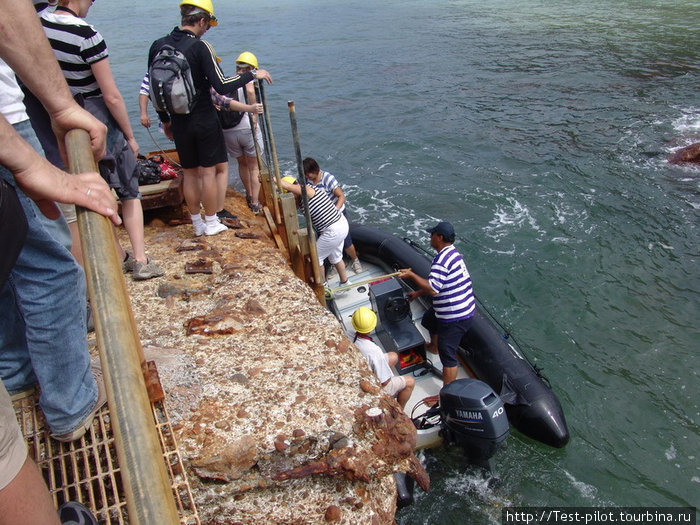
(171, 85)
(230, 119)
(147, 171)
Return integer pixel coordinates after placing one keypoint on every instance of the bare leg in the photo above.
(405, 394)
(342, 274)
(192, 189)
(76, 246)
(392, 358)
(352, 252)
(432, 345)
(209, 190)
(449, 374)
(132, 213)
(243, 174)
(120, 250)
(253, 179)
(26, 499)
(221, 184)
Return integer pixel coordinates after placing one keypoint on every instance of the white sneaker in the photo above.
(356, 266)
(213, 229)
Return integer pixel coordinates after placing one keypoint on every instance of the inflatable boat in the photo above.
(493, 377)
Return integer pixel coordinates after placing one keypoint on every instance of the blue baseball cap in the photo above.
(445, 229)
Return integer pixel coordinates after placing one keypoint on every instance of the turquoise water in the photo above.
(540, 129)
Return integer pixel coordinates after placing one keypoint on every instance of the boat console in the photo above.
(395, 328)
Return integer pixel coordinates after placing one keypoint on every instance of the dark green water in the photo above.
(540, 129)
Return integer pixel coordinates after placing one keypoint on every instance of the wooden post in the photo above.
(291, 229)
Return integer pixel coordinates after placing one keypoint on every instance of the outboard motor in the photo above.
(474, 418)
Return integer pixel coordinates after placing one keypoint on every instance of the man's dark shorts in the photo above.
(449, 335)
(199, 140)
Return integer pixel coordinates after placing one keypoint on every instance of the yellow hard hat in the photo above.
(248, 58)
(364, 320)
(206, 5)
(290, 180)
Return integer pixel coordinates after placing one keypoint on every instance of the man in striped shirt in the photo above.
(450, 286)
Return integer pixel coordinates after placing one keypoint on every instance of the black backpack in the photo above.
(171, 85)
(230, 119)
(147, 171)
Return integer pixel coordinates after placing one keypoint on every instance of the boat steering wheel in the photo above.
(396, 309)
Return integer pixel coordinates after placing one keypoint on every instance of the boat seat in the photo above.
(395, 328)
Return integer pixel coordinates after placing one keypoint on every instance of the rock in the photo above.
(332, 513)
(231, 464)
(690, 154)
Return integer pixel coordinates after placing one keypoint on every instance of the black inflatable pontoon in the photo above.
(531, 406)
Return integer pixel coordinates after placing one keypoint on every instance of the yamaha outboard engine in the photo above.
(474, 418)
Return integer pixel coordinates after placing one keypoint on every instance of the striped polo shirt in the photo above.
(450, 278)
(329, 183)
(76, 45)
(322, 211)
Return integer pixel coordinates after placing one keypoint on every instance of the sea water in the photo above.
(540, 129)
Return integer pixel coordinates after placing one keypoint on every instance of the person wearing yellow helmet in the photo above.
(364, 321)
(204, 5)
(198, 136)
(242, 135)
(247, 58)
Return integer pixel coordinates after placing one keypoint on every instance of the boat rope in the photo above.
(160, 148)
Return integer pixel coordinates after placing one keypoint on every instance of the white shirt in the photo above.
(11, 96)
(374, 355)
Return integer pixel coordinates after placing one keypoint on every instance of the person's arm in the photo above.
(143, 101)
(423, 284)
(226, 103)
(143, 110)
(252, 99)
(45, 183)
(23, 45)
(235, 105)
(113, 99)
(338, 192)
(296, 189)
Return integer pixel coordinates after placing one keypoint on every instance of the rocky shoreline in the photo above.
(267, 397)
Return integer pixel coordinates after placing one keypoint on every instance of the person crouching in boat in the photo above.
(453, 308)
(331, 226)
(364, 320)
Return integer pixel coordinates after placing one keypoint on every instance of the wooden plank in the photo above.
(290, 221)
(273, 230)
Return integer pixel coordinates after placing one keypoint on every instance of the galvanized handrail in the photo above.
(149, 497)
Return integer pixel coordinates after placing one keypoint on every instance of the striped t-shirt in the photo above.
(450, 278)
(329, 183)
(322, 211)
(76, 45)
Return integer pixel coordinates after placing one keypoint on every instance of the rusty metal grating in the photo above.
(87, 470)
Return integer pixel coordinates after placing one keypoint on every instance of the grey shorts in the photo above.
(13, 450)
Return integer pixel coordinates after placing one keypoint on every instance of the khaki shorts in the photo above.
(395, 385)
(13, 450)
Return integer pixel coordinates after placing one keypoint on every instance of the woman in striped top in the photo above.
(82, 54)
(330, 225)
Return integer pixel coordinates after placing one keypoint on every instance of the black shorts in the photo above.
(449, 335)
(199, 140)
